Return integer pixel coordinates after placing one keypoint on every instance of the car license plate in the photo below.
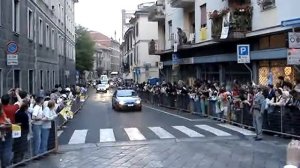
(130, 105)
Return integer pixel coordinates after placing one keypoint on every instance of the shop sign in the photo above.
(293, 57)
(294, 40)
(243, 53)
(291, 22)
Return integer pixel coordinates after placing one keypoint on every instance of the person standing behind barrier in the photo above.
(5, 139)
(37, 116)
(21, 144)
(49, 115)
(11, 109)
(257, 110)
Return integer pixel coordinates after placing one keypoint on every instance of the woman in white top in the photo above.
(48, 115)
(37, 116)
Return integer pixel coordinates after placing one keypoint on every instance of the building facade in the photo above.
(142, 64)
(213, 31)
(44, 32)
(115, 57)
(107, 54)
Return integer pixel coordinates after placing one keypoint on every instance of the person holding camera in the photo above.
(11, 103)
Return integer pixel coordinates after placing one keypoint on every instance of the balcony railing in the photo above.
(240, 22)
(182, 3)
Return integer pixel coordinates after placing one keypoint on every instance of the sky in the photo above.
(104, 15)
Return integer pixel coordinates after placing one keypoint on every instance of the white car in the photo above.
(102, 88)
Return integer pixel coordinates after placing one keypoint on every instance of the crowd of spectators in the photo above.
(34, 114)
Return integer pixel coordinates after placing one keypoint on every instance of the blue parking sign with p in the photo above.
(243, 53)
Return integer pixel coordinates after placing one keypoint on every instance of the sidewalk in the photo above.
(224, 152)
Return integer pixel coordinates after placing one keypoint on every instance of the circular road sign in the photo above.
(12, 47)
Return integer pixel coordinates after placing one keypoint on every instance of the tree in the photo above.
(84, 50)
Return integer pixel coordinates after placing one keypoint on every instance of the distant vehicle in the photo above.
(105, 82)
(101, 88)
(126, 99)
(103, 77)
(114, 74)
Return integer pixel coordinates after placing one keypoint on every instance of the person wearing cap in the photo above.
(257, 110)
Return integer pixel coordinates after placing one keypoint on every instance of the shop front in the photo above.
(273, 69)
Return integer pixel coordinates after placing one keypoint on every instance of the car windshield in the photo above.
(104, 81)
(126, 93)
(101, 85)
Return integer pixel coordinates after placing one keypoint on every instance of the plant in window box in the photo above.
(241, 19)
(217, 18)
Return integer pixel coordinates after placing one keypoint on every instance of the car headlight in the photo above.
(121, 102)
(138, 102)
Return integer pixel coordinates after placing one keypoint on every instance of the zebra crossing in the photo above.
(136, 134)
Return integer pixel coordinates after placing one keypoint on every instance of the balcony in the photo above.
(240, 21)
(182, 3)
(157, 12)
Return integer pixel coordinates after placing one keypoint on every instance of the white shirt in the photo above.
(49, 115)
(38, 114)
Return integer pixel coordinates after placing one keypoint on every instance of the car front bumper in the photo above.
(129, 106)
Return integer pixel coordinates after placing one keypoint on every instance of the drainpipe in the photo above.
(35, 40)
(65, 44)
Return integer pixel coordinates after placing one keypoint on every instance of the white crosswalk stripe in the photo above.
(134, 134)
(213, 130)
(189, 132)
(78, 137)
(161, 133)
(107, 135)
(237, 129)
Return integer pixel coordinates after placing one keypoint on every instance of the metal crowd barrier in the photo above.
(23, 146)
(284, 120)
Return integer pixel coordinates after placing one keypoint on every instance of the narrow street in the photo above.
(98, 136)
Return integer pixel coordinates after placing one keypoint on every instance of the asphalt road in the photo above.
(98, 122)
(99, 137)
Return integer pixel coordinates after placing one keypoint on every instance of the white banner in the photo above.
(225, 26)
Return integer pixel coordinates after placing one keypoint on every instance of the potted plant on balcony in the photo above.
(217, 19)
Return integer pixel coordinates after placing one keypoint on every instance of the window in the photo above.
(203, 15)
(41, 31)
(30, 24)
(267, 4)
(62, 14)
(52, 39)
(47, 36)
(137, 29)
(58, 45)
(41, 79)
(49, 81)
(0, 16)
(30, 81)
(16, 16)
(17, 80)
(137, 54)
(170, 29)
(62, 46)
(1, 80)
(53, 79)
(58, 13)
